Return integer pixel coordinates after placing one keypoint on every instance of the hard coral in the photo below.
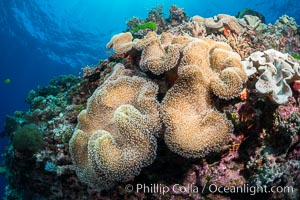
(114, 137)
(193, 127)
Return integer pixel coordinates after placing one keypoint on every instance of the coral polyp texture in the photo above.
(276, 70)
(154, 57)
(114, 138)
(193, 127)
(121, 43)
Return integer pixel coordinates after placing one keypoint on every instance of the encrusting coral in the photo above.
(276, 70)
(114, 137)
(193, 127)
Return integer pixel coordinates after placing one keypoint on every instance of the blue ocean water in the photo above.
(40, 39)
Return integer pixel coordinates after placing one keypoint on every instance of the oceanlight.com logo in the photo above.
(246, 189)
(208, 188)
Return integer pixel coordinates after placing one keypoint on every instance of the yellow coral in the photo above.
(193, 128)
(121, 43)
(114, 137)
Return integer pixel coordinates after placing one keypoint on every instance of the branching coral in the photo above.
(193, 127)
(114, 137)
(276, 70)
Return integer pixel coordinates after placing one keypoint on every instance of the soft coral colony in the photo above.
(188, 101)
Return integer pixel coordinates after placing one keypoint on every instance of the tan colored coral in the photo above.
(198, 19)
(166, 39)
(181, 41)
(121, 43)
(197, 53)
(240, 44)
(223, 67)
(154, 57)
(114, 138)
(222, 20)
(193, 128)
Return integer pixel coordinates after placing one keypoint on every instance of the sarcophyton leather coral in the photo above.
(121, 43)
(158, 54)
(275, 71)
(193, 127)
(114, 138)
(221, 20)
(222, 67)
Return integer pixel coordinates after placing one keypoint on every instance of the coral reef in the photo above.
(178, 111)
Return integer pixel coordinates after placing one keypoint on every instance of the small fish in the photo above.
(7, 81)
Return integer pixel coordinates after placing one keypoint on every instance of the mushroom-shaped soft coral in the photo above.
(231, 75)
(114, 137)
(154, 57)
(121, 43)
(221, 20)
(222, 67)
(193, 128)
(122, 157)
